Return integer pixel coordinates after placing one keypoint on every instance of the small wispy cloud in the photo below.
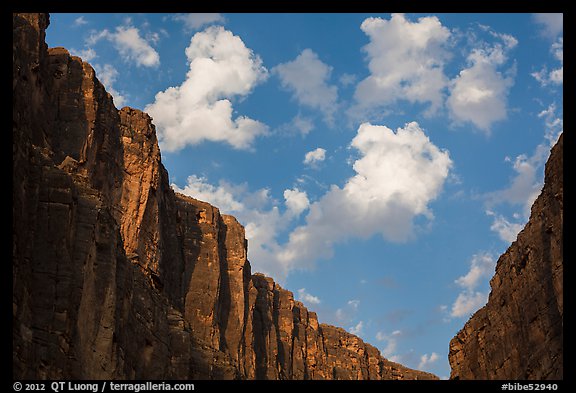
(470, 299)
(307, 298)
(550, 24)
(390, 342)
(80, 21)
(357, 329)
(195, 21)
(427, 360)
(315, 156)
(131, 46)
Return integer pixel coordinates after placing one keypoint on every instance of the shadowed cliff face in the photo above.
(115, 276)
(519, 333)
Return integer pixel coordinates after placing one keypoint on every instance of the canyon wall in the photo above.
(115, 276)
(519, 333)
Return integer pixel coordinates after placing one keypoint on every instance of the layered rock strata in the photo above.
(115, 276)
(519, 333)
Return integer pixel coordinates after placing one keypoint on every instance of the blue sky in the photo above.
(380, 163)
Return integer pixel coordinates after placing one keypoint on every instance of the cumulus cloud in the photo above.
(129, 44)
(306, 77)
(220, 67)
(397, 175)
(406, 61)
(479, 93)
(550, 24)
(296, 201)
(471, 299)
(307, 298)
(427, 360)
(315, 156)
(195, 21)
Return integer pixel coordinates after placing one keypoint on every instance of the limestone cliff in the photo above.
(519, 333)
(116, 276)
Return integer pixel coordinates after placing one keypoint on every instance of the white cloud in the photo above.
(315, 156)
(80, 21)
(481, 267)
(303, 124)
(347, 313)
(397, 176)
(479, 93)
(299, 125)
(469, 300)
(347, 79)
(306, 77)
(221, 196)
(554, 124)
(506, 230)
(357, 329)
(107, 75)
(307, 298)
(550, 24)
(405, 60)
(153, 37)
(221, 67)
(129, 44)
(354, 303)
(556, 76)
(526, 184)
(87, 54)
(296, 201)
(391, 342)
(427, 360)
(195, 21)
(256, 210)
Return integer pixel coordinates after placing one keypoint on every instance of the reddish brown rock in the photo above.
(117, 277)
(519, 333)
